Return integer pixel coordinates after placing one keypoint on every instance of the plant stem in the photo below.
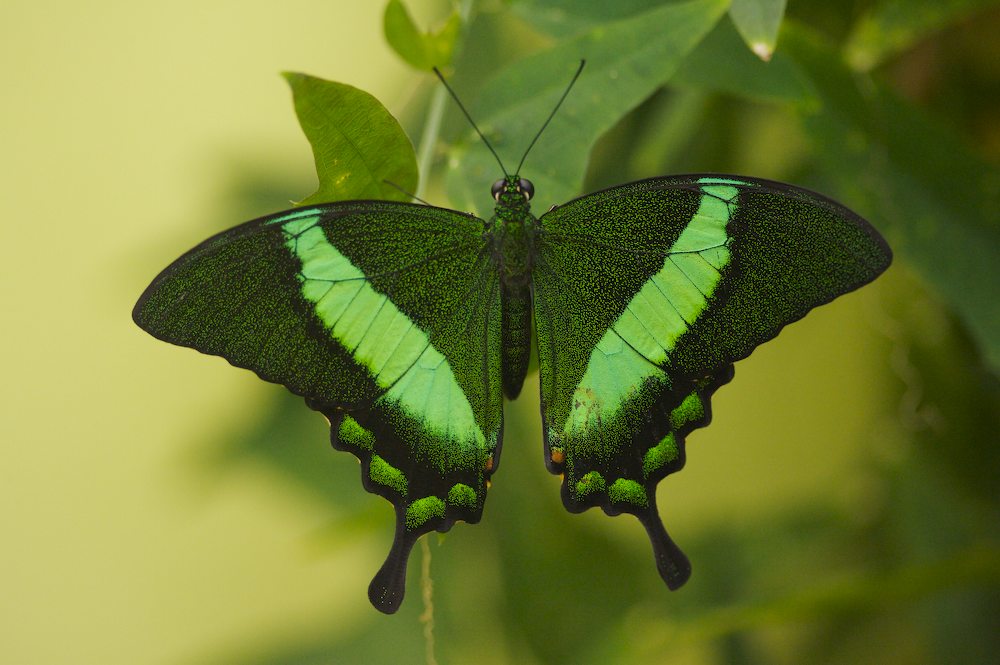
(432, 125)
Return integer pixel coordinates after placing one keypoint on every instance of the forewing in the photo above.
(644, 296)
(385, 317)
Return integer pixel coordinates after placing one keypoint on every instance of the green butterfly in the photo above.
(406, 325)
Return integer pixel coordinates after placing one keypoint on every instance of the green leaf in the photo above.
(758, 22)
(358, 146)
(938, 201)
(743, 74)
(892, 26)
(423, 50)
(627, 61)
(564, 18)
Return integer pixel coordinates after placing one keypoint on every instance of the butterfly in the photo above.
(407, 325)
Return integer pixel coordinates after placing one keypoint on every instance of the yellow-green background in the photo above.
(120, 126)
(124, 129)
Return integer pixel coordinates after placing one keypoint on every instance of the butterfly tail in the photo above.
(388, 587)
(671, 562)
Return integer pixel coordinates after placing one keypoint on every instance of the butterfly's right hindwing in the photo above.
(386, 318)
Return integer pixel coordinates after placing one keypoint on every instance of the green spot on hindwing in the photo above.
(689, 411)
(352, 433)
(423, 510)
(591, 483)
(624, 490)
(660, 455)
(387, 475)
(462, 495)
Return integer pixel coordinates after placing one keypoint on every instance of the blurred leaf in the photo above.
(949, 405)
(627, 61)
(293, 440)
(565, 18)
(648, 141)
(744, 75)
(357, 144)
(423, 50)
(892, 26)
(937, 200)
(758, 22)
(862, 593)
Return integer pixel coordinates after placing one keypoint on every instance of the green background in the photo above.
(158, 506)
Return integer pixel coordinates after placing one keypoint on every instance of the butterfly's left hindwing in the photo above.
(644, 296)
(386, 318)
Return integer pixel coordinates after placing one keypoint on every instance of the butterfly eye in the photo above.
(526, 188)
(498, 188)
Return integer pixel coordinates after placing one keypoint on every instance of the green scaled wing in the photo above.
(386, 317)
(644, 296)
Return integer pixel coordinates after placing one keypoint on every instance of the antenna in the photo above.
(469, 118)
(410, 194)
(551, 115)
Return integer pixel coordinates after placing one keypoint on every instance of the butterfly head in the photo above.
(512, 191)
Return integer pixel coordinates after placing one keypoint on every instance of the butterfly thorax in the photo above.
(513, 228)
(513, 232)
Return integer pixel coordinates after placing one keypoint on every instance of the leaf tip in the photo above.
(762, 50)
(293, 77)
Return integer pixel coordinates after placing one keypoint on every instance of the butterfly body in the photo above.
(405, 325)
(513, 229)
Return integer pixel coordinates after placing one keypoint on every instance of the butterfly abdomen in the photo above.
(516, 336)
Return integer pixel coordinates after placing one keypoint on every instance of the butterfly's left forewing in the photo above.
(645, 294)
(386, 318)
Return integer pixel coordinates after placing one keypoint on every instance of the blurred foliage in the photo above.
(889, 106)
(423, 50)
(758, 22)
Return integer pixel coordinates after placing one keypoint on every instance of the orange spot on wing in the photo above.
(558, 456)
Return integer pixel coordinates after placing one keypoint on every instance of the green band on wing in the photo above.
(639, 342)
(398, 354)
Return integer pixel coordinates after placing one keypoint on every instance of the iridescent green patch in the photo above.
(353, 433)
(422, 510)
(689, 411)
(624, 490)
(660, 455)
(591, 483)
(462, 495)
(385, 474)
(309, 213)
